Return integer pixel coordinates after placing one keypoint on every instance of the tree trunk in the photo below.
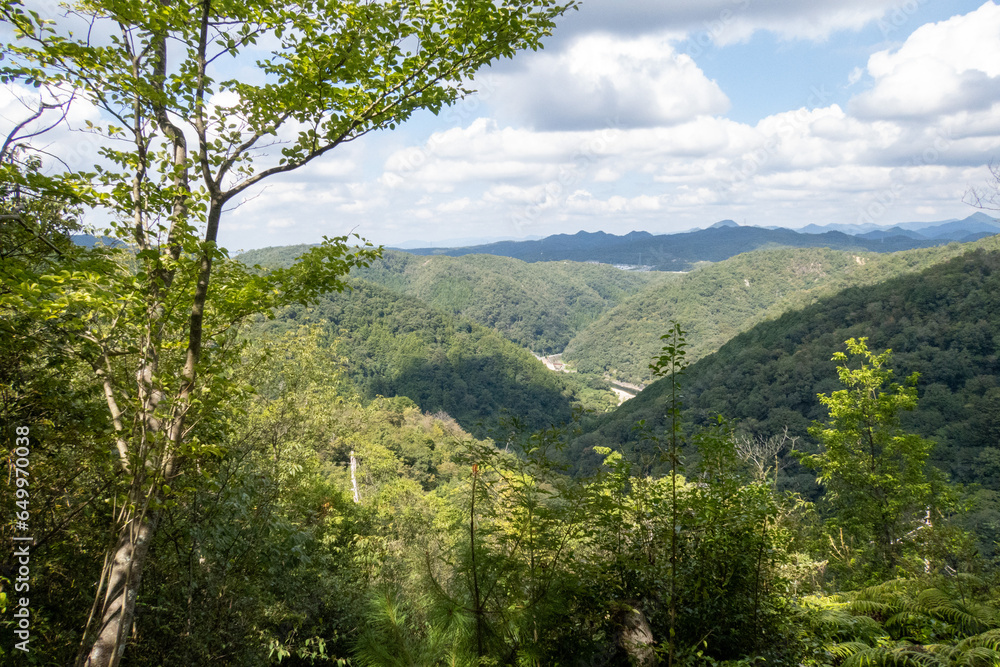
(134, 538)
(123, 580)
(635, 635)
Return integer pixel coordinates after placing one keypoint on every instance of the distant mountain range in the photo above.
(724, 239)
(89, 240)
(455, 243)
(954, 230)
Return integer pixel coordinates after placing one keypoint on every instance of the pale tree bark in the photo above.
(151, 456)
(635, 635)
(124, 576)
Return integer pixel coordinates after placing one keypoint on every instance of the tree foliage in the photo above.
(179, 140)
(872, 471)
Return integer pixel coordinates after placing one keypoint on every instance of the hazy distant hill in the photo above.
(879, 234)
(89, 240)
(676, 252)
(979, 223)
(952, 230)
(716, 302)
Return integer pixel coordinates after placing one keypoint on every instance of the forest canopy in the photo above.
(349, 459)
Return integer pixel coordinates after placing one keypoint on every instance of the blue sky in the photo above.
(663, 116)
(768, 73)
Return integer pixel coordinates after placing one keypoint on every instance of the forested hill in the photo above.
(608, 321)
(540, 306)
(941, 322)
(396, 345)
(675, 252)
(717, 301)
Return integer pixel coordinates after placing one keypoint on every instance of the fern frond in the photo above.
(978, 657)
(840, 624)
(880, 591)
(900, 656)
(989, 639)
(849, 649)
(873, 608)
(964, 622)
(900, 623)
(933, 597)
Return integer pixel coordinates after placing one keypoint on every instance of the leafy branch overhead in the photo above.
(330, 73)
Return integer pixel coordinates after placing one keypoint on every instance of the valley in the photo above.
(705, 377)
(433, 409)
(610, 330)
(607, 326)
(604, 322)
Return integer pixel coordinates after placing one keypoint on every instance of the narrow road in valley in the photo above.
(623, 390)
(621, 394)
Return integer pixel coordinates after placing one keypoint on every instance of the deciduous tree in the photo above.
(181, 140)
(873, 472)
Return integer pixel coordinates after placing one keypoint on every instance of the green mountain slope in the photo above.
(941, 322)
(396, 345)
(716, 302)
(540, 306)
(273, 257)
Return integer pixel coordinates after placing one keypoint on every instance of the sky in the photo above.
(666, 115)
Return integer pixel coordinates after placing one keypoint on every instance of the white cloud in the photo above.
(606, 175)
(514, 195)
(583, 201)
(455, 206)
(73, 146)
(728, 21)
(335, 168)
(942, 68)
(600, 81)
(614, 129)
